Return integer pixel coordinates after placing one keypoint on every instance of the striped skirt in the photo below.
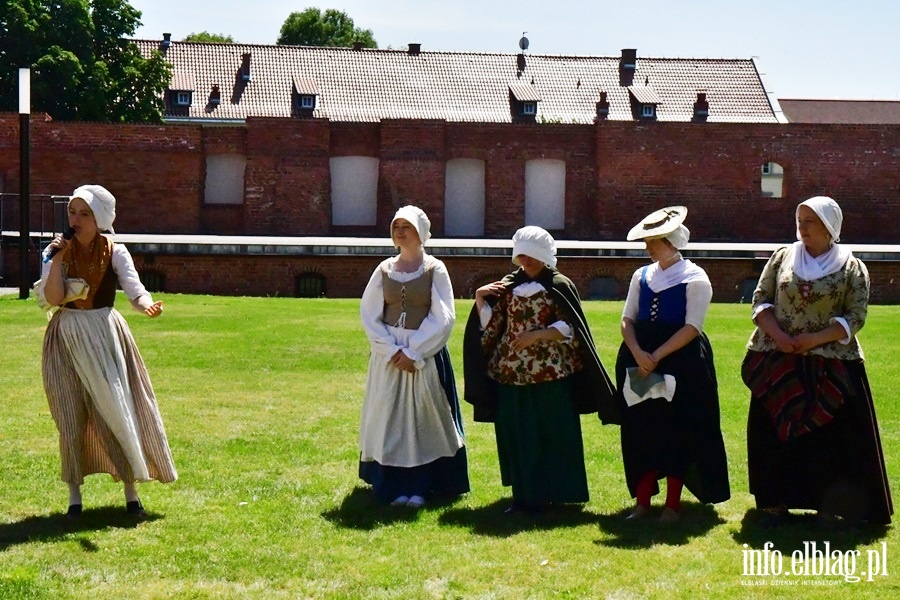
(101, 399)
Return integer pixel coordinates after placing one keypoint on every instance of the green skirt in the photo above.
(539, 443)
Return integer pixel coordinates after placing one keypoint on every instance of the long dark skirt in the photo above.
(448, 476)
(681, 438)
(837, 468)
(539, 443)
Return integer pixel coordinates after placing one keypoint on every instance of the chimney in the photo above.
(215, 96)
(520, 61)
(627, 66)
(602, 107)
(701, 108)
(245, 66)
(414, 49)
(357, 45)
(166, 41)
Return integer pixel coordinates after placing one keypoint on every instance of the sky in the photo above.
(825, 49)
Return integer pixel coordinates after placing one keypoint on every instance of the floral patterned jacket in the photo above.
(802, 306)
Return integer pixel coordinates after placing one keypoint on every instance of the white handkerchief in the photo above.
(655, 385)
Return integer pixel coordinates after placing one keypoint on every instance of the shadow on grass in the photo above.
(492, 519)
(804, 527)
(47, 528)
(360, 510)
(696, 520)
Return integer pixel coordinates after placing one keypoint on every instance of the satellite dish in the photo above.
(523, 43)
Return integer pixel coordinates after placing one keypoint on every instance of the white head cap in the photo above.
(101, 202)
(417, 218)
(535, 242)
(828, 212)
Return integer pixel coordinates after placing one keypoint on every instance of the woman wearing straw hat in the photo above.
(411, 435)
(531, 368)
(96, 383)
(665, 376)
(812, 437)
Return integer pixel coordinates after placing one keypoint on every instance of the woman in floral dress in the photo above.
(812, 436)
(531, 368)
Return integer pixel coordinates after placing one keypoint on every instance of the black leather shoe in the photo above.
(74, 510)
(135, 508)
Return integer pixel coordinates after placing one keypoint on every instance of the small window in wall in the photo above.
(746, 289)
(545, 193)
(464, 197)
(183, 98)
(772, 180)
(648, 111)
(153, 280)
(603, 288)
(225, 179)
(354, 190)
(310, 285)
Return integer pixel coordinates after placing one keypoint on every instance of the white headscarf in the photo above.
(810, 267)
(535, 242)
(101, 202)
(828, 212)
(417, 218)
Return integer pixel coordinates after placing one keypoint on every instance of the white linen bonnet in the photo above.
(828, 212)
(101, 202)
(535, 242)
(417, 218)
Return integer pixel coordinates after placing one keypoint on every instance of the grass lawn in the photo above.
(261, 400)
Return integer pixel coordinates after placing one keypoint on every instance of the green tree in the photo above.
(205, 36)
(84, 68)
(312, 27)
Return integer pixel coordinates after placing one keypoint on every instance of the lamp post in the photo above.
(24, 180)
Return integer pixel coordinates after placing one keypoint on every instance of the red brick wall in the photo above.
(616, 173)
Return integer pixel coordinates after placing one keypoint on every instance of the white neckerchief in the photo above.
(682, 271)
(810, 268)
(527, 289)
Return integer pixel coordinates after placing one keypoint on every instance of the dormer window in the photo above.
(305, 95)
(183, 98)
(644, 102)
(523, 99)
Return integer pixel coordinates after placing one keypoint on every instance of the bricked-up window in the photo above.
(354, 190)
(464, 197)
(545, 193)
(310, 285)
(603, 288)
(225, 179)
(772, 180)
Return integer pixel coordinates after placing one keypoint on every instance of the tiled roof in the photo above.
(644, 94)
(876, 112)
(368, 85)
(524, 92)
(182, 81)
(305, 86)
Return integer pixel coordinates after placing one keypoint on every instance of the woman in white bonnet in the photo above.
(665, 375)
(411, 434)
(96, 383)
(812, 436)
(531, 368)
